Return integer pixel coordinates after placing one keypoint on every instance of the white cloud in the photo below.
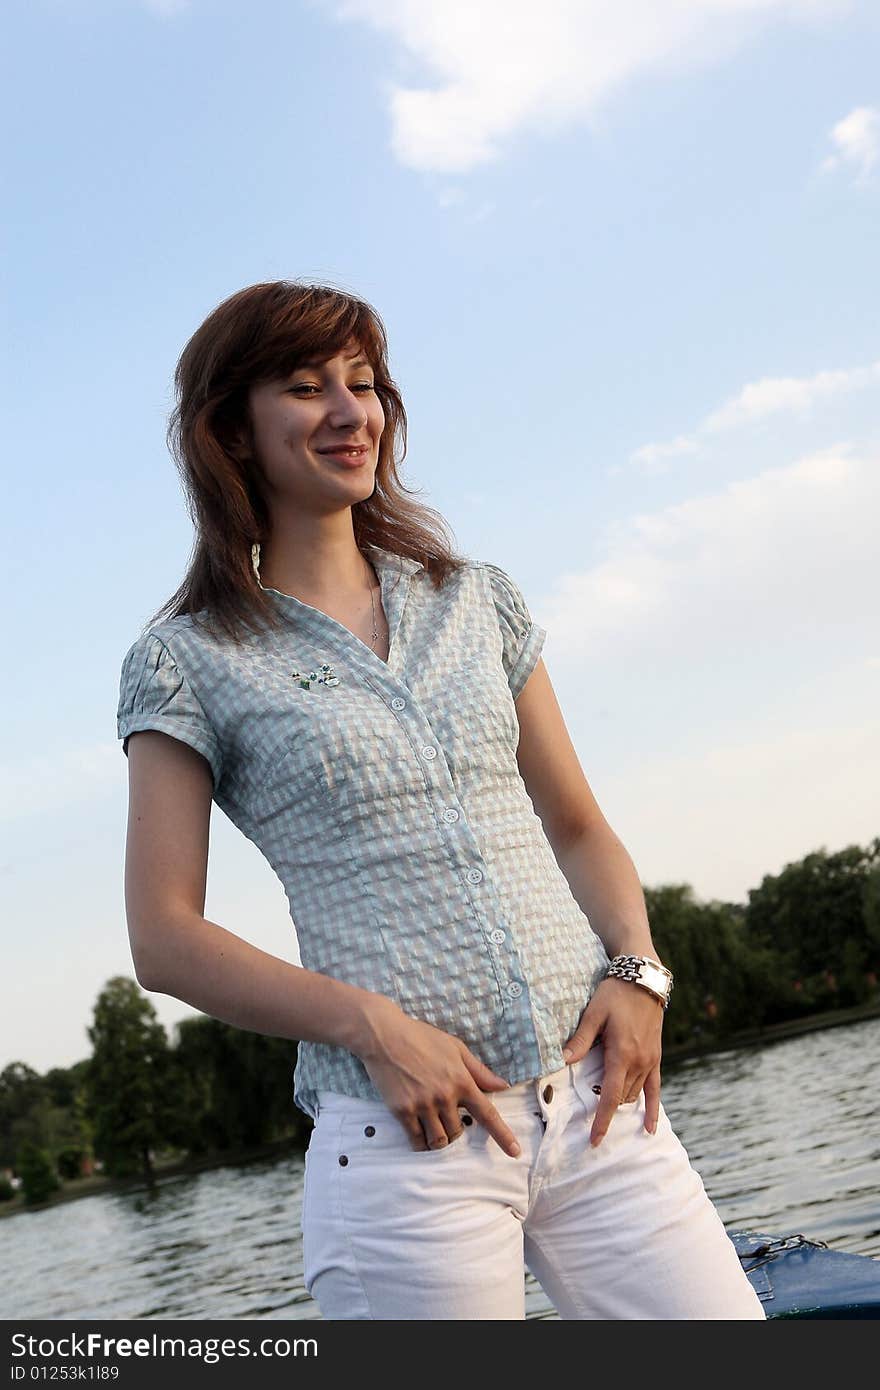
(757, 401)
(766, 560)
(718, 672)
(774, 395)
(498, 67)
(857, 142)
(652, 457)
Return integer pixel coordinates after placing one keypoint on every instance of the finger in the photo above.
(415, 1132)
(633, 1088)
(484, 1111)
(452, 1126)
(611, 1095)
(583, 1037)
(652, 1100)
(485, 1077)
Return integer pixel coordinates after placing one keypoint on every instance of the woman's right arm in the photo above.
(177, 951)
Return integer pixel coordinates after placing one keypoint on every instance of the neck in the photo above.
(324, 564)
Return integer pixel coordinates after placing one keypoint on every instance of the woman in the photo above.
(373, 712)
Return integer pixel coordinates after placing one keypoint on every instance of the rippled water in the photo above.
(785, 1137)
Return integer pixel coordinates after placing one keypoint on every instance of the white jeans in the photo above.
(625, 1230)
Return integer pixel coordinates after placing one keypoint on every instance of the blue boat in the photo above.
(799, 1278)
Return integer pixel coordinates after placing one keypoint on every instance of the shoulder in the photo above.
(522, 639)
(157, 691)
(506, 593)
(182, 640)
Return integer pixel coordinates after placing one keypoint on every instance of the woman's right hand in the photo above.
(424, 1074)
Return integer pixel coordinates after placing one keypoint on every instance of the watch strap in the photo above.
(636, 968)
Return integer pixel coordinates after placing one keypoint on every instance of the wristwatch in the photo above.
(644, 971)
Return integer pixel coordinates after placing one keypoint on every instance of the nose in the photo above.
(347, 410)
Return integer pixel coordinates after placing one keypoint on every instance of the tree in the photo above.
(38, 1178)
(24, 1106)
(722, 982)
(128, 1080)
(235, 1086)
(820, 916)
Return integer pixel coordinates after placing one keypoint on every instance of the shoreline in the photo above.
(97, 1184)
(773, 1032)
(165, 1169)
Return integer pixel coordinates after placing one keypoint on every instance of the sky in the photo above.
(626, 255)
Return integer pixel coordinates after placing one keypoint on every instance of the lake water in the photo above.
(785, 1136)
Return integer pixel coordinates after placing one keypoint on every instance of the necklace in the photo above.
(373, 610)
(327, 675)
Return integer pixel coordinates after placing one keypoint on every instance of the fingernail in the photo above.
(515, 1150)
(566, 1052)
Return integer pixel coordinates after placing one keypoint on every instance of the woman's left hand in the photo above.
(630, 1020)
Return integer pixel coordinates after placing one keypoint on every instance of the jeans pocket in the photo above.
(587, 1078)
(382, 1137)
(456, 1145)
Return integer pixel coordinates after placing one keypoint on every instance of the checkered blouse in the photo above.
(388, 800)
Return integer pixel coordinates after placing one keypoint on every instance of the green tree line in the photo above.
(807, 941)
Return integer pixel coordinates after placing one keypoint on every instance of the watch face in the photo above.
(653, 978)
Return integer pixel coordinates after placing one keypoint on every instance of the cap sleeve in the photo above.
(155, 694)
(523, 638)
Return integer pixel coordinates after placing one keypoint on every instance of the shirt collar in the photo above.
(386, 559)
(382, 560)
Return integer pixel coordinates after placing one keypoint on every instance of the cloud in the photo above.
(857, 143)
(719, 675)
(757, 401)
(496, 68)
(789, 552)
(652, 457)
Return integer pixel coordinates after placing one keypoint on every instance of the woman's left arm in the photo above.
(605, 884)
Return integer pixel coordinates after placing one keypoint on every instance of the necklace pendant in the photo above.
(324, 675)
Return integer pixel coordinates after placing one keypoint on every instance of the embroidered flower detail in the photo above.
(325, 675)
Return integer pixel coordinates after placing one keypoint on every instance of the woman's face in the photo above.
(302, 421)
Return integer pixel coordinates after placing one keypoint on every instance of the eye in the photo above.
(307, 386)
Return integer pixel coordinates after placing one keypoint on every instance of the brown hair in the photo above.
(260, 333)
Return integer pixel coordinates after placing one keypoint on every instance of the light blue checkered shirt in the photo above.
(391, 807)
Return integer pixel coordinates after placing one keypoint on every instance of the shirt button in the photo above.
(428, 751)
(514, 989)
(474, 876)
(398, 702)
(450, 815)
(497, 935)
